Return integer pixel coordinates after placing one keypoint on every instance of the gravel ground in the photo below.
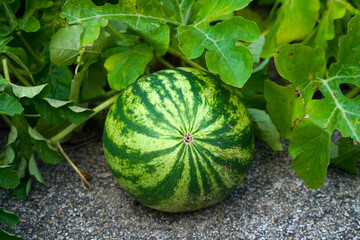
(271, 203)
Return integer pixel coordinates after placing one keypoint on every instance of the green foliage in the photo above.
(60, 58)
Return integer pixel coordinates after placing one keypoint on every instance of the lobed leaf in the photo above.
(145, 17)
(232, 63)
(309, 145)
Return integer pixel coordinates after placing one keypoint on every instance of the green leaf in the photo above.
(67, 52)
(8, 13)
(283, 106)
(127, 65)
(4, 41)
(232, 63)
(8, 218)
(24, 145)
(13, 134)
(295, 21)
(21, 192)
(30, 92)
(256, 48)
(9, 157)
(28, 22)
(94, 82)
(212, 9)
(34, 171)
(57, 111)
(2, 80)
(309, 145)
(348, 156)
(46, 152)
(265, 129)
(8, 236)
(21, 171)
(335, 111)
(181, 9)
(9, 178)
(59, 78)
(65, 45)
(9, 105)
(326, 31)
(10, 154)
(298, 20)
(15, 58)
(146, 18)
(292, 64)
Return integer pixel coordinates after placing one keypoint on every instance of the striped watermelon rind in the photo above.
(178, 140)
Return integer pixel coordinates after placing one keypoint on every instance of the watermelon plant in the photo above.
(294, 64)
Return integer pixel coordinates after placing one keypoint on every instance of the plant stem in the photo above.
(6, 70)
(350, 8)
(172, 51)
(78, 78)
(353, 92)
(18, 76)
(28, 47)
(163, 62)
(6, 120)
(74, 166)
(116, 32)
(32, 115)
(72, 126)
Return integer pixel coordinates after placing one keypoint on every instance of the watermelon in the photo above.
(178, 140)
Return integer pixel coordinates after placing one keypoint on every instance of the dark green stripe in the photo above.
(205, 180)
(153, 115)
(152, 196)
(129, 125)
(206, 157)
(224, 141)
(194, 189)
(157, 83)
(135, 157)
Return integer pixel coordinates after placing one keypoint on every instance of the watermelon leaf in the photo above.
(309, 145)
(348, 155)
(8, 218)
(147, 18)
(127, 65)
(9, 178)
(233, 63)
(295, 21)
(34, 171)
(46, 151)
(265, 129)
(9, 105)
(283, 106)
